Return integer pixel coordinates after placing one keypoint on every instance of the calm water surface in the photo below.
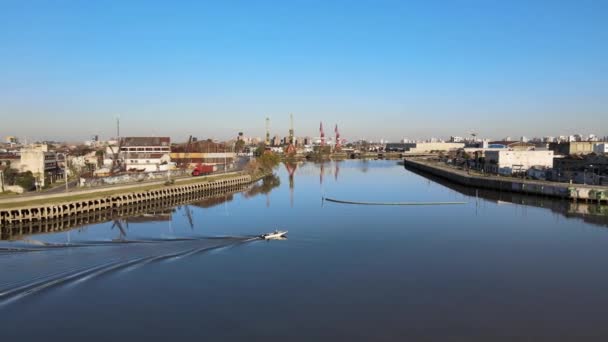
(487, 270)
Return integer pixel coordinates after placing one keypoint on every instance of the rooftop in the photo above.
(145, 141)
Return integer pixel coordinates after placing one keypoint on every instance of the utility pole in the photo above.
(2, 179)
(65, 171)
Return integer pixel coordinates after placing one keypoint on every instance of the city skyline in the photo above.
(379, 70)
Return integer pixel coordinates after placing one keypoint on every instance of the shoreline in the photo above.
(61, 205)
(572, 192)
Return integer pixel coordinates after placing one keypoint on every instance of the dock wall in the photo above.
(574, 192)
(115, 202)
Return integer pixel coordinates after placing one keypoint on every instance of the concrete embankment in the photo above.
(575, 192)
(28, 198)
(153, 210)
(57, 208)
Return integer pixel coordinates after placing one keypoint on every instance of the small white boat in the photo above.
(277, 234)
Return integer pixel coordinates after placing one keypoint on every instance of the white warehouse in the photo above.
(506, 162)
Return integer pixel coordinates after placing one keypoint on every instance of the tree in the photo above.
(239, 146)
(263, 164)
(10, 174)
(82, 150)
(260, 150)
(268, 161)
(26, 180)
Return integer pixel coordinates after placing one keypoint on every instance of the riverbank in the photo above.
(574, 192)
(15, 200)
(58, 205)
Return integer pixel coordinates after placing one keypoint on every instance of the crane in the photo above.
(338, 144)
(291, 146)
(322, 134)
(267, 131)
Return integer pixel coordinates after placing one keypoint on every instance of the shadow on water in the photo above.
(596, 214)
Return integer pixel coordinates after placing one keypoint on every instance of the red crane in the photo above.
(291, 169)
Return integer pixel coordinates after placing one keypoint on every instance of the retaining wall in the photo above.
(73, 208)
(16, 230)
(560, 190)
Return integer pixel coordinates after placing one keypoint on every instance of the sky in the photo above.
(378, 69)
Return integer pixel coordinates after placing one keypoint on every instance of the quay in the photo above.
(573, 192)
(16, 230)
(56, 209)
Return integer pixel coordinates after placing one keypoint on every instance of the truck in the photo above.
(202, 169)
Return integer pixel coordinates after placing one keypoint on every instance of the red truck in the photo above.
(202, 169)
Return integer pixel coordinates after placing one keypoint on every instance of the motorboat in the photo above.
(277, 234)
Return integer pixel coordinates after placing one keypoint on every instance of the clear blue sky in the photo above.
(380, 69)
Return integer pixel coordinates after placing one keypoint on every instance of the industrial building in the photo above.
(203, 152)
(422, 147)
(508, 162)
(587, 169)
(601, 148)
(573, 147)
(41, 162)
(146, 154)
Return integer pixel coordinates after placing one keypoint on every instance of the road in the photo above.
(78, 191)
(73, 188)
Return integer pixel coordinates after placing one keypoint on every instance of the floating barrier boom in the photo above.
(391, 203)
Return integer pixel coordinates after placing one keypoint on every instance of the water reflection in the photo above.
(145, 212)
(264, 187)
(121, 224)
(291, 167)
(479, 278)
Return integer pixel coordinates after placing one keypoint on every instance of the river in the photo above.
(498, 267)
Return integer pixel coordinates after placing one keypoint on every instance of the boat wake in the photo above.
(117, 258)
